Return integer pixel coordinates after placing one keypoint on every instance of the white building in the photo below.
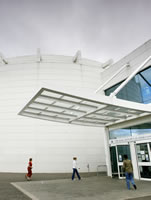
(132, 137)
(51, 145)
(72, 90)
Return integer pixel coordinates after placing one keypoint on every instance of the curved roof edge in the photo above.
(39, 58)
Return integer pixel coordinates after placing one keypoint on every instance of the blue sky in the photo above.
(101, 29)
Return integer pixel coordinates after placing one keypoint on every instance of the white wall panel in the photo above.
(51, 145)
(135, 59)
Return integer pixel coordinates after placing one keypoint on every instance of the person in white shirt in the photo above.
(75, 169)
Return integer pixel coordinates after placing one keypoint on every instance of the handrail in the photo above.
(98, 168)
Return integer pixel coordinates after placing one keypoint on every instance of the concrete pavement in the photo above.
(89, 188)
(61, 187)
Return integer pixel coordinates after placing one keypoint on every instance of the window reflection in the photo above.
(131, 131)
(145, 171)
(119, 133)
(142, 152)
(145, 89)
(137, 90)
(141, 129)
(131, 92)
(147, 74)
(122, 150)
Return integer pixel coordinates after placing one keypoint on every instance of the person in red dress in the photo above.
(29, 168)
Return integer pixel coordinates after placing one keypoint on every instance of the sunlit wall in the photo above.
(51, 145)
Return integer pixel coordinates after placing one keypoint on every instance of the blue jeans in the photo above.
(73, 174)
(129, 178)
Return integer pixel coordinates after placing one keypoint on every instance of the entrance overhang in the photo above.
(82, 109)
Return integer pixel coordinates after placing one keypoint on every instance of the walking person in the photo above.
(29, 169)
(128, 169)
(75, 169)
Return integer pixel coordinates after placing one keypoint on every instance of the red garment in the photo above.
(29, 168)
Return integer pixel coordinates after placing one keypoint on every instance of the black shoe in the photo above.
(135, 187)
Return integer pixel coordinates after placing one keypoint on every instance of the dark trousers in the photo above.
(73, 174)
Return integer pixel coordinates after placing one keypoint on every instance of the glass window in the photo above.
(137, 90)
(150, 145)
(147, 74)
(131, 131)
(141, 129)
(142, 152)
(119, 133)
(113, 160)
(145, 88)
(122, 173)
(122, 150)
(131, 92)
(145, 171)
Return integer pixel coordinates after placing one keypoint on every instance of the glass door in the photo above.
(143, 151)
(121, 151)
(117, 152)
(113, 156)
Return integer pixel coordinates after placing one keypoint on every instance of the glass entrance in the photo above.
(143, 151)
(121, 151)
(117, 153)
(114, 161)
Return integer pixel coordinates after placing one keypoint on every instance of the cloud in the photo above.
(102, 29)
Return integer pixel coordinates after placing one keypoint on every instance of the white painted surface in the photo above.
(134, 160)
(107, 152)
(134, 59)
(51, 145)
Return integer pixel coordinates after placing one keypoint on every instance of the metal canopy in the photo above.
(86, 109)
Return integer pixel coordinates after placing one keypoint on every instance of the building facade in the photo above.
(51, 145)
(133, 137)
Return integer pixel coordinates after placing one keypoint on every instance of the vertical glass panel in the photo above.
(138, 89)
(145, 86)
(122, 150)
(150, 146)
(130, 92)
(133, 91)
(147, 74)
(113, 160)
(142, 152)
(145, 171)
(122, 174)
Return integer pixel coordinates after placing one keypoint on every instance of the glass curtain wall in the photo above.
(144, 79)
(137, 90)
(137, 130)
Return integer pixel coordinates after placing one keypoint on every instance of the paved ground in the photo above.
(9, 192)
(50, 186)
